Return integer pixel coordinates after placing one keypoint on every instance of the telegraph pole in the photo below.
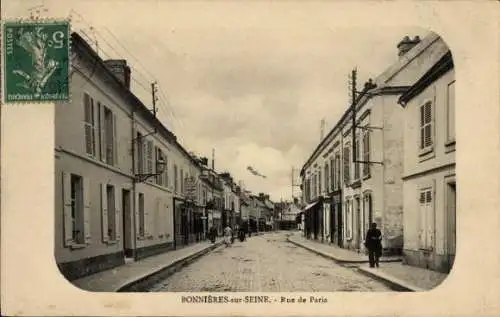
(353, 106)
(154, 90)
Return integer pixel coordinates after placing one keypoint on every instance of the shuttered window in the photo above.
(426, 229)
(426, 126)
(175, 179)
(451, 111)
(327, 177)
(332, 174)
(165, 172)
(141, 215)
(347, 159)
(159, 156)
(357, 158)
(109, 137)
(140, 153)
(366, 154)
(89, 125)
(76, 210)
(110, 213)
(149, 156)
(319, 183)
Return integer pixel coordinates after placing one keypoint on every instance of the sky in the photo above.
(252, 81)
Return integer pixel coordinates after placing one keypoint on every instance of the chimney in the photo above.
(120, 69)
(407, 44)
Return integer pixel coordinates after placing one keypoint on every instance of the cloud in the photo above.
(254, 86)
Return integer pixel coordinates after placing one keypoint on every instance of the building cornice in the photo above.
(87, 52)
(441, 67)
(382, 91)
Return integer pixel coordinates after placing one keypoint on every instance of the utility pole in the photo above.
(353, 106)
(154, 90)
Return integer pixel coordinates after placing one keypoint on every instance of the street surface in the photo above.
(266, 263)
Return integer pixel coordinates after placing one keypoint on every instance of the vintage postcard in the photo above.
(170, 158)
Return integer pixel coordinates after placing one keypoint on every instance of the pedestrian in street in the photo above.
(213, 234)
(373, 243)
(228, 234)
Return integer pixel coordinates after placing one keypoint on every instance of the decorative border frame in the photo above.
(40, 20)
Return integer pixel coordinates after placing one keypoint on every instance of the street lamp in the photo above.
(160, 168)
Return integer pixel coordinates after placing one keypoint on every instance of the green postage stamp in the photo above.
(36, 61)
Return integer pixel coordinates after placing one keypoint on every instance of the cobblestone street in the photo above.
(266, 263)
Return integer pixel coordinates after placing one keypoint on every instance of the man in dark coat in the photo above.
(373, 243)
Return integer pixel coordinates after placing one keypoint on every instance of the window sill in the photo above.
(111, 242)
(449, 146)
(368, 176)
(141, 238)
(426, 154)
(356, 184)
(77, 246)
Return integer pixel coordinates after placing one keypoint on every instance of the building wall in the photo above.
(436, 170)
(158, 197)
(71, 157)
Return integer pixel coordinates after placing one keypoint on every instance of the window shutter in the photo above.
(422, 217)
(87, 209)
(137, 227)
(104, 138)
(118, 204)
(429, 219)
(104, 213)
(68, 221)
(115, 142)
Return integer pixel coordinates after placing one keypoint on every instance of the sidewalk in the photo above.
(399, 276)
(132, 276)
(334, 252)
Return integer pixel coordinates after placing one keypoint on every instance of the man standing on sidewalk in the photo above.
(373, 243)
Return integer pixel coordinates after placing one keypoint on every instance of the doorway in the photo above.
(127, 226)
(451, 224)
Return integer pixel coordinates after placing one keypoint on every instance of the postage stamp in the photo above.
(36, 61)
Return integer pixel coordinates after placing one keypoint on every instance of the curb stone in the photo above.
(394, 283)
(143, 283)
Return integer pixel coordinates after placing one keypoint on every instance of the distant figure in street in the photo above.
(213, 234)
(228, 234)
(373, 243)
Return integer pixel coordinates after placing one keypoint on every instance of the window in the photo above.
(140, 153)
(76, 210)
(142, 229)
(337, 170)
(165, 172)
(451, 111)
(319, 183)
(159, 156)
(88, 109)
(327, 178)
(426, 230)
(109, 213)
(349, 219)
(347, 159)
(356, 150)
(109, 136)
(426, 122)
(182, 181)
(149, 157)
(366, 154)
(175, 179)
(332, 174)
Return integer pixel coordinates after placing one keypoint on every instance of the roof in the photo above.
(383, 88)
(77, 42)
(435, 72)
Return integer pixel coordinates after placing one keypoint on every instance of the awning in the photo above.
(310, 206)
